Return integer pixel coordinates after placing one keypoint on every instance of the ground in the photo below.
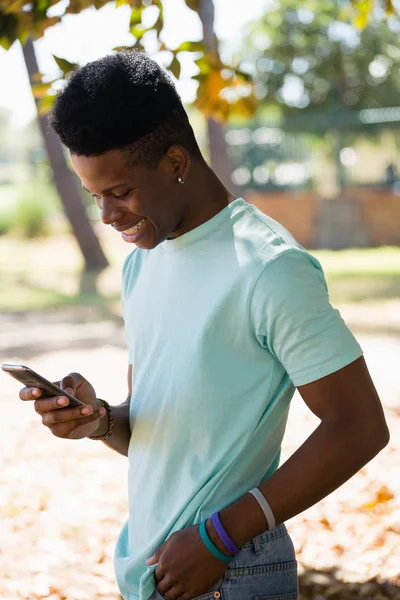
(62, 503)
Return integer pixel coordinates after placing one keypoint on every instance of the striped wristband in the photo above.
(223, 536)
(213, 549)
(269, 515)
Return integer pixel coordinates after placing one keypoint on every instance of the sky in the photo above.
(92, 34)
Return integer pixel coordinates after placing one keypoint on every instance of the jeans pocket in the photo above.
(211, 594)
(293, 596)
(268, 582)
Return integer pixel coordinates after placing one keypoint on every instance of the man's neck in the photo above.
(208, 196)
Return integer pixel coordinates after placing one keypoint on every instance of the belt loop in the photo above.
(256, 544)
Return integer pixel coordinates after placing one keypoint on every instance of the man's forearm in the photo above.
(121, 435)
(328, 458)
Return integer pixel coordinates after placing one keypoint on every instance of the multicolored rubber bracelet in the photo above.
(210, 546)
(224, 537)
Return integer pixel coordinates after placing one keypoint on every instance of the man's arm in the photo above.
(121, 435)
(352, 431)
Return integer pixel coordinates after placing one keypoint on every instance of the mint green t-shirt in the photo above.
(221, 323)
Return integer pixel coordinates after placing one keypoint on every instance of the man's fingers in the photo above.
(29, 393)
(53, 417)
(71, 382)
(48, 404)
(68, 429)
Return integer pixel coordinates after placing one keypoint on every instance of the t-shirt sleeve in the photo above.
(293, 319)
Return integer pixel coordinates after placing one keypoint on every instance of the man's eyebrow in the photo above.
(114, 187)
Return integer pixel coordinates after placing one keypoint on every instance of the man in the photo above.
(225, 315)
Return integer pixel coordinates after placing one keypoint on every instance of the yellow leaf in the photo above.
(361, 20)
(40, 90)
(324, 521)
(389, 8)
(193, 4)
(37, 78)
(383, 495)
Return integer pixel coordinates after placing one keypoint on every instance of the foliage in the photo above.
(6, 220)
(223, 90)
(30, 215)
(307, 58)
(361, 10)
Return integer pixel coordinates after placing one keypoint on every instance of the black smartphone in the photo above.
(31, 379)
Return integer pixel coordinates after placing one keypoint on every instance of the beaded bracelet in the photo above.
(213, 549)
(110, 422)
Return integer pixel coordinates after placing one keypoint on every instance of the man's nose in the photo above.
(109, 212)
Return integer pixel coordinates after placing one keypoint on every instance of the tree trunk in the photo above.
(219, 157)
(338, 147)
(66, 184)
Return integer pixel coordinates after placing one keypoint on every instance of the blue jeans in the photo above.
(264, 569)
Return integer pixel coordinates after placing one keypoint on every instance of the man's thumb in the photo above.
(154, 558)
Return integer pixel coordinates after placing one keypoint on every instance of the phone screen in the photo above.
(29, 378)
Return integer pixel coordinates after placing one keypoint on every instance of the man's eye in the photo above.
(124, 195)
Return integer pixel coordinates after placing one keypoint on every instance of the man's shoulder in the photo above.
(260, 237)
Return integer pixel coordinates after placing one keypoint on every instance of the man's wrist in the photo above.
(214, 537)
(243, 520)
(104, 423)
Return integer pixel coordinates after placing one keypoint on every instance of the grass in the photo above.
(358, 275)
(45, 273)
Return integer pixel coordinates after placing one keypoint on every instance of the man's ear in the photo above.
(179, 161)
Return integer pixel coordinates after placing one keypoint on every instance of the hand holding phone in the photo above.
(70, 409)
(31, 379)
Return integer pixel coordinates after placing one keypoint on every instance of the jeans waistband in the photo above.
(257, 543)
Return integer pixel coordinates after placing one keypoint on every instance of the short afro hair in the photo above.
(122, 101)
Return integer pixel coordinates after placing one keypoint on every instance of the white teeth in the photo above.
(136, 228)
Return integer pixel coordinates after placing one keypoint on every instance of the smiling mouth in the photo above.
(135, 228)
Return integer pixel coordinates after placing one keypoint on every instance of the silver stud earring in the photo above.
(180, 180)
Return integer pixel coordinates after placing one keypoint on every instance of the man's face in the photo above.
(145, 205)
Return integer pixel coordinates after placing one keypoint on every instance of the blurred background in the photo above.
(297, 109)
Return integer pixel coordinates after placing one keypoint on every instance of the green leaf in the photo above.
(8, 30)
(203, 65)
(136, 16)
(64, 65)
(6, 43)
(191, 47)
(175, 67)
(246, 76)
(45, 104)
(138, 32)
(158, 25)
(42, 6)
(13, 6)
